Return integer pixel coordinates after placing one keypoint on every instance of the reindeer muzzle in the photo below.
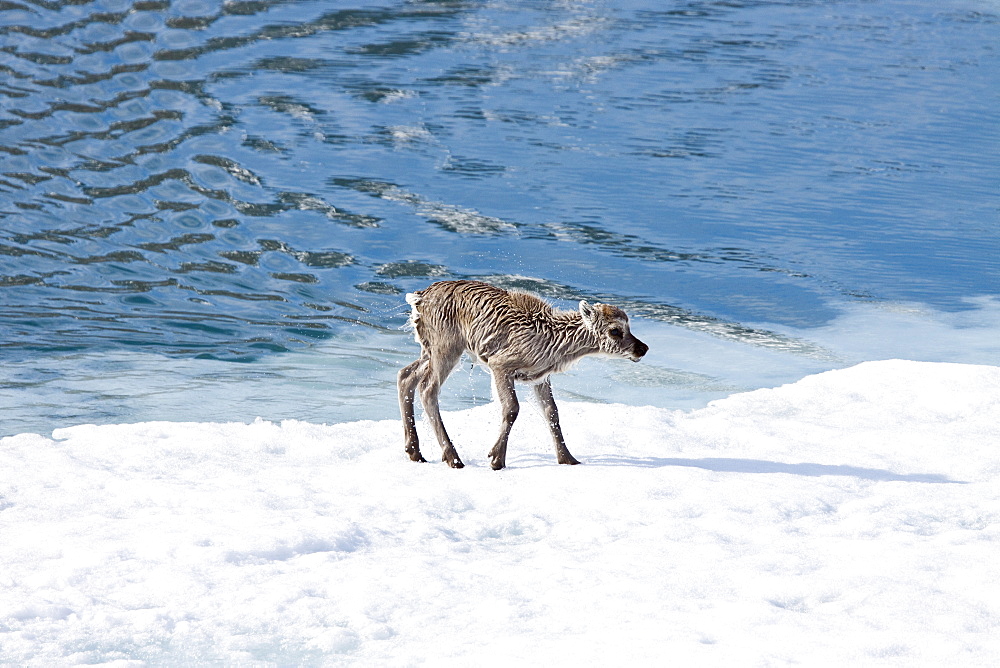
(638, 350)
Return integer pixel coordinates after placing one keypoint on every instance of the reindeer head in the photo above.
(609, 324)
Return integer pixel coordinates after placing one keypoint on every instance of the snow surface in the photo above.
(850, 518)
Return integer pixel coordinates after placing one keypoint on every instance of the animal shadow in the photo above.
(734, 465)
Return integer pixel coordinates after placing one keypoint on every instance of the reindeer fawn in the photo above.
(519, 337)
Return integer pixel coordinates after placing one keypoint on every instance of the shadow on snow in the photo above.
(731, 465)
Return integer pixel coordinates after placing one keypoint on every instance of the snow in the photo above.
(849, 518)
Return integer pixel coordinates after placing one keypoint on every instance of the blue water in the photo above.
(212, 211)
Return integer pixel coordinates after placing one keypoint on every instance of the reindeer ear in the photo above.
(587, 311)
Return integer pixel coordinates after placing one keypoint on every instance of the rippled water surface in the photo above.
(213, 210)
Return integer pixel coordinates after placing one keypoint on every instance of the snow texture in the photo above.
(851, 518)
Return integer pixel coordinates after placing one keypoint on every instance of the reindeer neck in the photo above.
(574, 338)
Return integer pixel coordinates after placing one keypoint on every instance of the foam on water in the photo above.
(353, 377)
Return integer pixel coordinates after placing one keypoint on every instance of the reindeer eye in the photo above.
(616, 332)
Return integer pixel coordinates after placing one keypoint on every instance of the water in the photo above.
(212, 211)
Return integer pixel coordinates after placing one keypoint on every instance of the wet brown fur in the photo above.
(518, 337)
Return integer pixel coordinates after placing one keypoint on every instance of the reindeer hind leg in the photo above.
(440, 365)
(503, 382)
(407, 380)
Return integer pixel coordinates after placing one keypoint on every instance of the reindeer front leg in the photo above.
(543, 391)
(504, 383)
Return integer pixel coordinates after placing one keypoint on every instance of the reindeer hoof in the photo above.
(450, 457)
(570, 459)
(497, 465)
(417, 457)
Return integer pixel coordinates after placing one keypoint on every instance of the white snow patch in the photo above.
(851, 518)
